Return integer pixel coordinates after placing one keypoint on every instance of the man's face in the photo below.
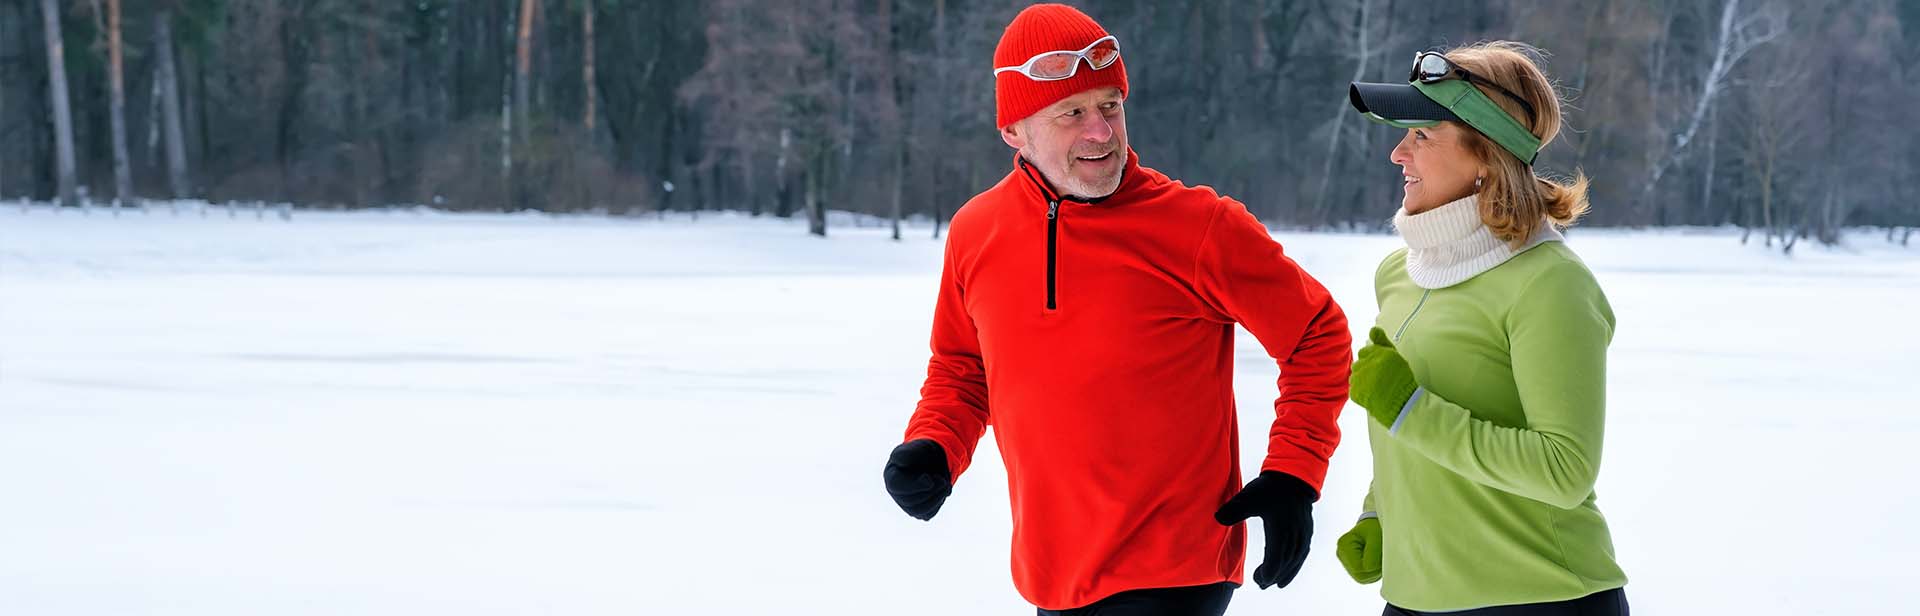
(1079, 143)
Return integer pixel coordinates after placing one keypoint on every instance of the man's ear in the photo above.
(1012, 134)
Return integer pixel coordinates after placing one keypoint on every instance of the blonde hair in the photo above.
(1514, 201)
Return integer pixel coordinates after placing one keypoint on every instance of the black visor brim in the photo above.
(1397, 104)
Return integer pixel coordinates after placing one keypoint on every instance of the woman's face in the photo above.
(1437, 167)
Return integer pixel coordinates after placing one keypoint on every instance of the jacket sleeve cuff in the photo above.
(1406, 409)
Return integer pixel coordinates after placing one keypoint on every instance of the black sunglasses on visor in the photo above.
(1430, 66)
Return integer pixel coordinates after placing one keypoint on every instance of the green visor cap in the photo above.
(1419, 105)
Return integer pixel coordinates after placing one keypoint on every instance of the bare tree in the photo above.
(891, 112)
(1713, 161)
(296, 66)
(117, 104)
(1737, 35)
(586, 71)
(1364, 45)
(523, 76)
(3, 151)
(1860, 162)
(942, 87)
(1771, 106)
(57, 91)
(168, 82)
(825, 105)
(808, 55)
(506, 134)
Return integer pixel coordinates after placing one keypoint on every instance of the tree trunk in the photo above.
(370, 127)
(1365, 52)
(62, 114)
(749, 191)
(506, 148)
(899, 179)
(1827, 227)
(117, 92)
(1713, 142)
(783, 197)
(941, 86)
(845, 191)
(1735, 38)
(899, 111)
(586, 79)
(523, 69)
(506, 142)
(3, 151)
(899, 174)
(169, 100)
(719, 197)
(663, 162)
(1766, 198)
(195, 101)
(816, 206)
(293, 56)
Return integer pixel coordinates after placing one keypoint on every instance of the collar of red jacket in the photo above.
(1131, 180)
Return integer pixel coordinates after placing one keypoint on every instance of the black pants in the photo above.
(1603, 603)
(1209, 600)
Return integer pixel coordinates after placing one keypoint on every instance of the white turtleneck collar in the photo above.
(1449, 244)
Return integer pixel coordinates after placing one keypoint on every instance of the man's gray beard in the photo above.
(1072, 187)
(1110, 185)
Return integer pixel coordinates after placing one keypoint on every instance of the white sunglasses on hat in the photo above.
(1058, 65)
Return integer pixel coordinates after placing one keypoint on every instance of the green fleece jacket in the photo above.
(1484, 484)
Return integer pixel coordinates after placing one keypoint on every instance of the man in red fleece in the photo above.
(1086, 311)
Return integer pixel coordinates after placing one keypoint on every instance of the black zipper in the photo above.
(1053, 224)
(1053, 234)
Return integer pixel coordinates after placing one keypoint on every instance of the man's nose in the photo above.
(1097, 130)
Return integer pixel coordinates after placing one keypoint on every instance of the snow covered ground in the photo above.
(422, 413)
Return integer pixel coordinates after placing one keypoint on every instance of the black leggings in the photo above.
(1603, 603)
(1208, 600)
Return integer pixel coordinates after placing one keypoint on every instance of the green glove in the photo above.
(1359, 551)
(1381, 382)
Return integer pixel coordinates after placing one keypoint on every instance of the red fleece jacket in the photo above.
(1096, 337)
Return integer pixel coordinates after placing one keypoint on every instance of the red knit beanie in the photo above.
(1038, 29)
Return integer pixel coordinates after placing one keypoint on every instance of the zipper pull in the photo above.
(1053, 209)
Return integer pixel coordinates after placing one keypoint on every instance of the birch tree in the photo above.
(1738, 34)
(57, 93)
(167, 80)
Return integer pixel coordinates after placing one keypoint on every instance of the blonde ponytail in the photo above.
(1514, 200)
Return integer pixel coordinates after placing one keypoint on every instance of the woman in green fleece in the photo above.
(1485, 375)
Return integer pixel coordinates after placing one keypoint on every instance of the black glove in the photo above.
(1285, 506)
(917, 477)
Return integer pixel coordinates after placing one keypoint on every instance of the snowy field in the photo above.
(419, 413)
